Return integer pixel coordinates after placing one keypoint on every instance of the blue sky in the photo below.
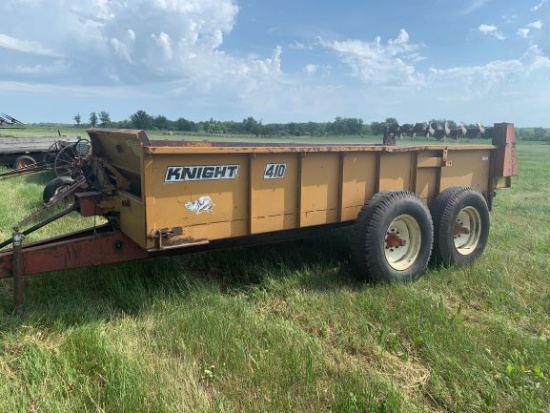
(278, 61)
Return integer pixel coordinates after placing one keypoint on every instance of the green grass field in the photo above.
(287, 328)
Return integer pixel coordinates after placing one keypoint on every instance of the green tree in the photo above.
(391, 121)
(161, 122)
(314, 129)
(367, 129)
(338, 127)
(354, 126)
(377, 128)
(141, 120)
(185, 125)
(296, 129)
(539, 134)
(213, 126)
(345, 126)
(77, 120)
(252, 126)
(104, 118)
(93, 119)
(440, 122)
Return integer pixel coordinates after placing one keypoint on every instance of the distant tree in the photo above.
(377, 128)
(104, 118)
(121, 124)
(452, 124)
(77, 120)
(213, 126)
(314, 129)
(252, 126)
(93, 119)
(391, 121)
(272, 130)
(345, 126)
(337, 127)
(367, 129)
(296, 129)
(440, 122)
(161, 122)
(539, 134)
(185, 125)
(141, 120)
(354, 126)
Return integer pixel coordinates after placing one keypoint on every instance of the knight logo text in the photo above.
(201, 173)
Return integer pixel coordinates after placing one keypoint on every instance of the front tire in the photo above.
(55, 187)
(393, 237)
(461, 221)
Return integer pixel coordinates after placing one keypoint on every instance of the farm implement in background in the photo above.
(436, 131)
(9, 122)
(163, 197)
(32, 155)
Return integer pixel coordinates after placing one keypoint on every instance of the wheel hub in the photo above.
(467, 230)
(393, 240)
(402, 242)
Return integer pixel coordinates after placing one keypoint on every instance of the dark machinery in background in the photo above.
(435, 130)
(7, 121)
(32, 156)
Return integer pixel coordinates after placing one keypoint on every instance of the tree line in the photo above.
(250, 126)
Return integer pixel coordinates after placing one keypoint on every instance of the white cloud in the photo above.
(375, 62)
(25, 46)
(538, 6)
(535, 25)
(130, 42)
(483, 80)
(524, 32)
(491, 30)
(311, 69)
(171, 45)
(55, 68)
(124, 47)
(473, 6)
(164, 43)
(300, 46)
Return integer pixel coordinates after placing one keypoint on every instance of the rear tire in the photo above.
(461, 221)
(55, 186)
(393, 237)
(23, 161)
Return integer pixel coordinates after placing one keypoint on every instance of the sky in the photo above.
(278, 61)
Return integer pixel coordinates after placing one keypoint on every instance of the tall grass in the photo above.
(287, 327)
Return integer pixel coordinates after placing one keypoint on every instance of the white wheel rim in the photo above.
(467, 230)
(402, 243)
